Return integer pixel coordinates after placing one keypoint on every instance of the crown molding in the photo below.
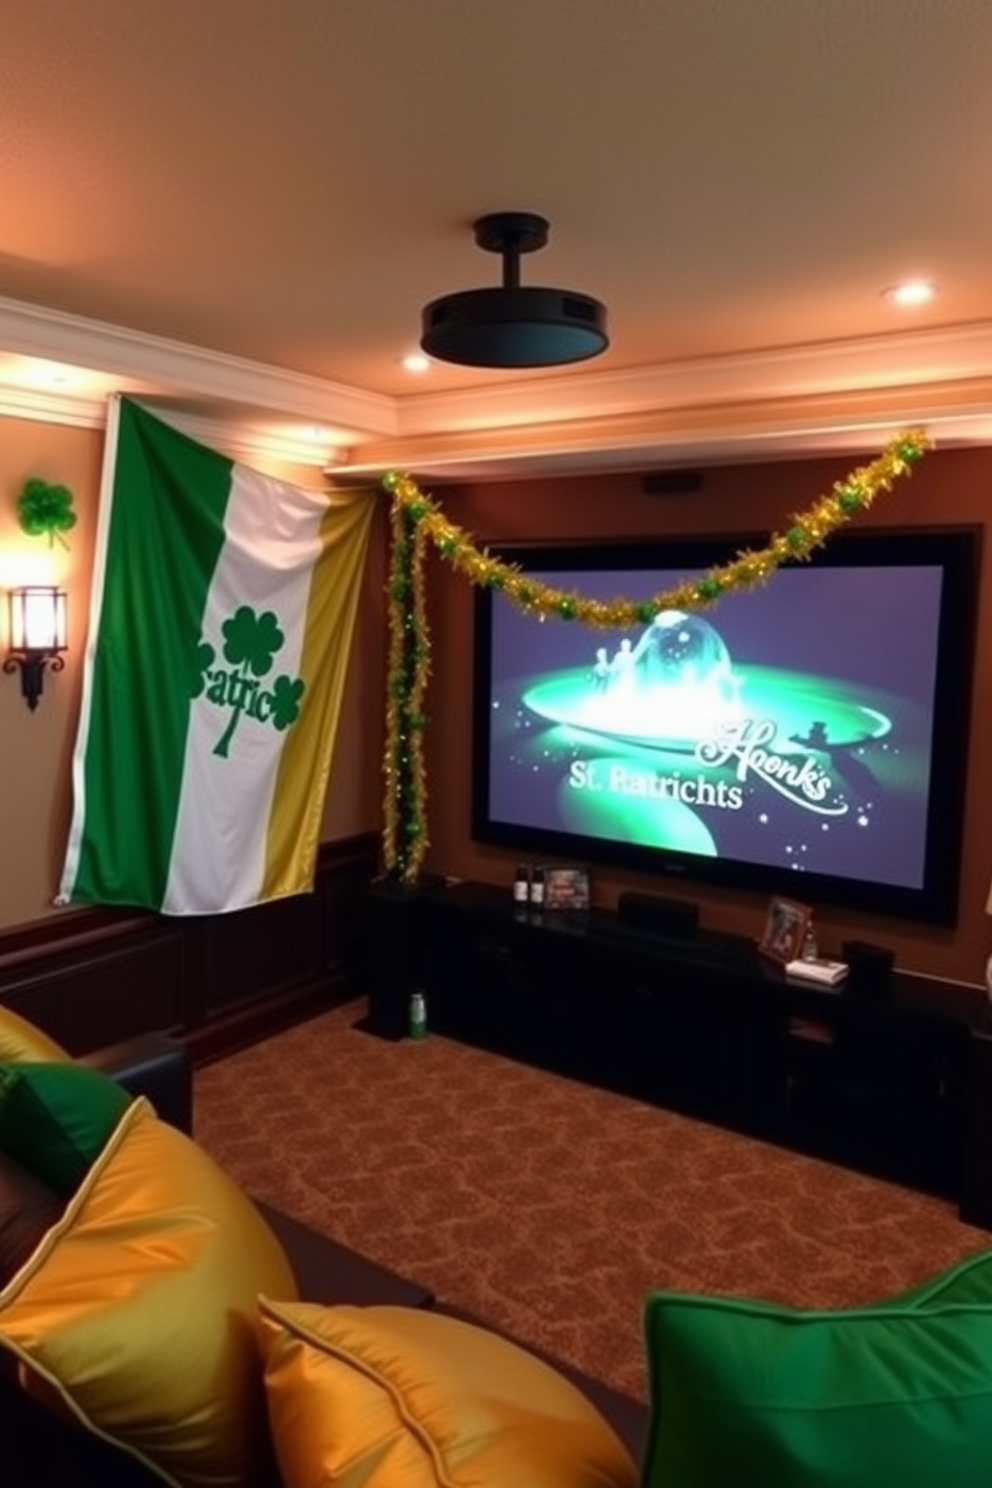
(905, 359)
(762, 429)
(762, 404)
(240, 439)
(157, 364)
(46, 407)
(256, 444)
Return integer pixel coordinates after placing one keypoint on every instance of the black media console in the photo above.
(889, 1074)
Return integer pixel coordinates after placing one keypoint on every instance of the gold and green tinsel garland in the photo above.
(405, 839)
(416, 519)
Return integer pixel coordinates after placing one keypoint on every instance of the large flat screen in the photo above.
(804, 737)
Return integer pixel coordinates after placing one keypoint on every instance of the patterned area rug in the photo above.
(544, 1205)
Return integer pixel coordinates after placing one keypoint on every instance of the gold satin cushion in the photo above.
(19, 1039)
(138, 1309)
(375, 1397)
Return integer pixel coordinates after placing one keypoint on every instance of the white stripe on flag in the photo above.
(219, 850)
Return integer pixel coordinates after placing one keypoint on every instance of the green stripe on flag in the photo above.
(165, 532)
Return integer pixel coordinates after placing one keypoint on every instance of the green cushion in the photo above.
(56, 1118)
(749, 1393)
(969, 1281)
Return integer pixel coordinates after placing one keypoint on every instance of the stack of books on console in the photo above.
(826, 973)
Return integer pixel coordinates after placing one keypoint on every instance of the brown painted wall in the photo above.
(951, 486)
(36, 748)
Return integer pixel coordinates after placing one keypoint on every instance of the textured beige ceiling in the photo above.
(287, 184)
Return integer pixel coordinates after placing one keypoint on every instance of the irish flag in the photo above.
(222, 617)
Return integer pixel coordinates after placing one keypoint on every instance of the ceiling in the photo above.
(236, 209)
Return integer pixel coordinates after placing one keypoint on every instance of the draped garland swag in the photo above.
(416, 521)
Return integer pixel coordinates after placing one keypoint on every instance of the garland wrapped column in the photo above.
(405, 802)
(416, 519)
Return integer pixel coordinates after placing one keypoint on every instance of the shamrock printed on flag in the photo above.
(221, 624)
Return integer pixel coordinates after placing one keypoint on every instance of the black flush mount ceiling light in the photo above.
(513, 326)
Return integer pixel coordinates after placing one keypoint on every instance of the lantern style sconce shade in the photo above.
(38, 636)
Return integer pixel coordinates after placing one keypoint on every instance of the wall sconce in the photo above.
(38, 636)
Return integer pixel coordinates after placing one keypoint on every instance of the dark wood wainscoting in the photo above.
(92, 976)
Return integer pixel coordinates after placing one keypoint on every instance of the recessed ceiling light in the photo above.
(51, 374)
(416, 362)
(912, 292)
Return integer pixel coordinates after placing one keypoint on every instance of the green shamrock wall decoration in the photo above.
(43, 507)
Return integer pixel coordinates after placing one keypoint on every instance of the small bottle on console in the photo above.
(418, 1016)
(811, 947)
(537, 888)
(521, 885)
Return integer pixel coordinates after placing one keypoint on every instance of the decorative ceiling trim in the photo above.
(767, 428)
(237, 438)
(178, 368)
(52, 407)
(841, 395)
(905, 359)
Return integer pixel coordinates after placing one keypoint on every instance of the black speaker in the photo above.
(655, 912)
(671, 482)
(870, 968)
